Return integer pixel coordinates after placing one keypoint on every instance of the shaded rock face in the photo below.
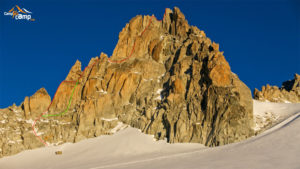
(289, 92)
(176, 84)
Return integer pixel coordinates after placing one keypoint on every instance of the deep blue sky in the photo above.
(260, 38)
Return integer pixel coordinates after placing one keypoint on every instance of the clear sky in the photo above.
(260, 38)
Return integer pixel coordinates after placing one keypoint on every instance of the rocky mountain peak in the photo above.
(288, 92)
(41, 92)
(292, 85)
(75, 72)
(164, 77)
(36, 104)
(146, 35)
(175, 23)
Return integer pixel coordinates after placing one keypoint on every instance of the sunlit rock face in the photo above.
(288, 93)
(164, 77)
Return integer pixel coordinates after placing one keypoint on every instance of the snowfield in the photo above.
(267, 113)
(277, 147)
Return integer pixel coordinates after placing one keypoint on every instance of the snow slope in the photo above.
(267, 114)
(278, 147)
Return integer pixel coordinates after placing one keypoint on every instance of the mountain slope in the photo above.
(277, 147)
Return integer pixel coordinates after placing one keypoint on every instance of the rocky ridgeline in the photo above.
(175, 85)
(288, 93)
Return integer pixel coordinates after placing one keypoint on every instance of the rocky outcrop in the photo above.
(289, 92)
(16, 122)
(164, 77)
(36, 104)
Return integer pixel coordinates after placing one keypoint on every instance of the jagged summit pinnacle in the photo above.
(288, 92)
(75, 71)
(143, 30)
